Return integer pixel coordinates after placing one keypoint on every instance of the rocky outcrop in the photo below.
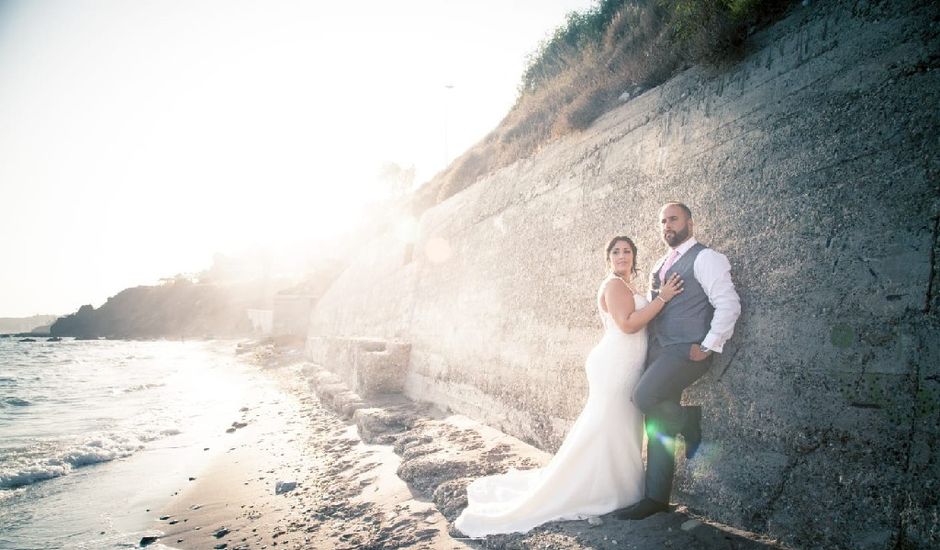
(812, 164)
(180, 309)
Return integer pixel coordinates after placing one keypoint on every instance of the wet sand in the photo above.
(347, 493)
(386, 473)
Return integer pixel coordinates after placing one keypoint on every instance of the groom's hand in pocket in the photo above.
(696, 354)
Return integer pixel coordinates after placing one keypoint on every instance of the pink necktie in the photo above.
(669, 261)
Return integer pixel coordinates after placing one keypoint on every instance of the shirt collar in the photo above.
(684, 247)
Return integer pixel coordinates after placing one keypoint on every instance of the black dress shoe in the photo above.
(643, 509)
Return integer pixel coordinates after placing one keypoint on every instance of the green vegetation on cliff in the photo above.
(607, 54)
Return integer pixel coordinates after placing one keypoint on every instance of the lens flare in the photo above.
(654, 433)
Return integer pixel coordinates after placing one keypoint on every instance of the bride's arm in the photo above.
(619, 300)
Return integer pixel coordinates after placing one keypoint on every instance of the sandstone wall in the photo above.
(812, 164)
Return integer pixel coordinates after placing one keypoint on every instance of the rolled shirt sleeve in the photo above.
(713, 272)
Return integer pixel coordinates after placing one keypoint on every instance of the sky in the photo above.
(140, 137)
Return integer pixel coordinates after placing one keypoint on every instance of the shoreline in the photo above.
(381, 473)
(347, 493)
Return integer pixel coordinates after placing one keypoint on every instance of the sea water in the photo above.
(96, 436)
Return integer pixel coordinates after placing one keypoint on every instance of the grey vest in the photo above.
(688, 316)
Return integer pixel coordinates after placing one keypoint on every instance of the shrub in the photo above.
(564, 49)
(578, 73)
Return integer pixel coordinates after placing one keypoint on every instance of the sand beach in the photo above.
(321, 468)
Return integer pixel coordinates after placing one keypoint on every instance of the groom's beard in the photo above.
(677, 238)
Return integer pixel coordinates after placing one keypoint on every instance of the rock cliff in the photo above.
(181, 309)
(812, 164)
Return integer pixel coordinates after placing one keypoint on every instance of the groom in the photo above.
(695, 325)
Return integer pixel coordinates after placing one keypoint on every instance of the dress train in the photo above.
(597, 469)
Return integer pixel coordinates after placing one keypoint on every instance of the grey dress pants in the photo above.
(658, 395)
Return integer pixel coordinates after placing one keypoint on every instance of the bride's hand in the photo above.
(671, 288)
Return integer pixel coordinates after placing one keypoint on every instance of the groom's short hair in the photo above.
(683, 207)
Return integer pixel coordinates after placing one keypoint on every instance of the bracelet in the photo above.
(660, 298)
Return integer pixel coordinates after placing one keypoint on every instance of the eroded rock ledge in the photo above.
(442, 453)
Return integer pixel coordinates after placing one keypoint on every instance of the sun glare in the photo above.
(142, 137)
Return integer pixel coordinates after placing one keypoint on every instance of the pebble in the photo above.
(284, 487)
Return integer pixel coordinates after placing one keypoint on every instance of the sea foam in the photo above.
(48, 460)
(82, 407)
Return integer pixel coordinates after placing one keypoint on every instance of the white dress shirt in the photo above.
(713, 271)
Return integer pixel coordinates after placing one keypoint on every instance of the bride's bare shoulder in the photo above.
(617, 282)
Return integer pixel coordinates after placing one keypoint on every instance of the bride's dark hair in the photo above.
(614, 241)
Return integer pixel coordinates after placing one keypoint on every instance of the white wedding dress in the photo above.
(599, 467)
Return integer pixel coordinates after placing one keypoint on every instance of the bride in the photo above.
(599, 467)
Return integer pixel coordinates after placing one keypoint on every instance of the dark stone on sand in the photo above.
(239, 425)
(284, 487)
(221, 533)
(164, 518)
(147, 541)
(230, 431)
